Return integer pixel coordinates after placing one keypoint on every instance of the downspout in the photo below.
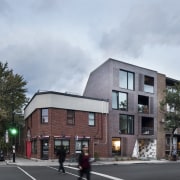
(103, 129)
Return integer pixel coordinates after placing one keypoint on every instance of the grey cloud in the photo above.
(49, 65)
(4, 8)
(149, 23)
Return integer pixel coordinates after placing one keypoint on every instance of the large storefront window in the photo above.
(79, 144)
(59, 142)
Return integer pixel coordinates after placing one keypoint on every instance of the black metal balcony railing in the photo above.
(143, 109)
(147, 130)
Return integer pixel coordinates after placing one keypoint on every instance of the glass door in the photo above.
(44, 149)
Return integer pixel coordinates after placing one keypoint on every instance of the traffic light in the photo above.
(13, 131)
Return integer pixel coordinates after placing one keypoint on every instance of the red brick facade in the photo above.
(57, 127)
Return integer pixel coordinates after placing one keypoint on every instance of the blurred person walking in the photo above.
(61, 153)
(84, 163)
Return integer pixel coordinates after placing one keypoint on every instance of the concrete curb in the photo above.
(37, 162)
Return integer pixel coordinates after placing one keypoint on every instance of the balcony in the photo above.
(143, 109)
(147, 131)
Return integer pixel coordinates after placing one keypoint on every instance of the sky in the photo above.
(56, 44)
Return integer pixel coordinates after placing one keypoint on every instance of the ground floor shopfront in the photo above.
(175, 145)
(46, 147)
(142, 148)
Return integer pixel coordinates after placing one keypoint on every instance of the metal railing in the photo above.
(147, 130)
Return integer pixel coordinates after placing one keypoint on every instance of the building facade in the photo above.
(135, 121)
(118, 114)
(55, 118)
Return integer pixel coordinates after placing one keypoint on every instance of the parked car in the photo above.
(1, 155)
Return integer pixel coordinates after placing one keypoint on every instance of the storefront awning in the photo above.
(62, 137)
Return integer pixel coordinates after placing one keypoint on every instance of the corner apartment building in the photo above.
(53, 118)
(135, 126)
(118, 114)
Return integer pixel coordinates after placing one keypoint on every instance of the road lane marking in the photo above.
(67, 172)
(98, 174)
(27, 173)
(106, 176)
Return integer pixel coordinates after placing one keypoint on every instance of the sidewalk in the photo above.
(19, 161)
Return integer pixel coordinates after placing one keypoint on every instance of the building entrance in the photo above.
(44, 149)
(116, 146)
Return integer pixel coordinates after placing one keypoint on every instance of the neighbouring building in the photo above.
(135, 121)
(53, 118)
(169, 83)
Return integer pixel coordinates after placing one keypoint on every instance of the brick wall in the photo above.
(57, 126)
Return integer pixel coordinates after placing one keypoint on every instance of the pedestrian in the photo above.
(84, 163)
(61, 153)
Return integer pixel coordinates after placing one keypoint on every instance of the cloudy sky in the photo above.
(55, 44)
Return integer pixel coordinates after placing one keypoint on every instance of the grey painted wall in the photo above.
(100, 84)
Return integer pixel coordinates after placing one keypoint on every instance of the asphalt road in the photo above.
(165, 171)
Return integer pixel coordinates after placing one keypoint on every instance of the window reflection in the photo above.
(126, 80)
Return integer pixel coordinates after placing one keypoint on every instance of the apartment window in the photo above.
(148, 84)
(70, 117)
(147, 126)
(44, 115)
(126, 124)
(91, 119)
(126, 79)
(59, 142)
(119, 100)
(143, 104)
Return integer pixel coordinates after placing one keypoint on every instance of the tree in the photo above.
(12, 97)
(170, 106)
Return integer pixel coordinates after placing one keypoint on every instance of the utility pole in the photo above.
(13, 132)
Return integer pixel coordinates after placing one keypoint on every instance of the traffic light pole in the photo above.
(14, 153)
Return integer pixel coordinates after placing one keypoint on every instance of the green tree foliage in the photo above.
(170, 106)
(12, 96)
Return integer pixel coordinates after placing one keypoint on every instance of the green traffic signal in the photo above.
(13, 131)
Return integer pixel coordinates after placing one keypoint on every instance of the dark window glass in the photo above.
(130, 81)
(59, 142)
(44, 115)
(147, 126)
(126, 124)
(34, 146)
(148, 84)
(91, 119)
(115, 100)
(79, 144)
(70, 117)
(119, 100)
(143, 104)
(123, 101)
(123, 79)
(126, 80)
